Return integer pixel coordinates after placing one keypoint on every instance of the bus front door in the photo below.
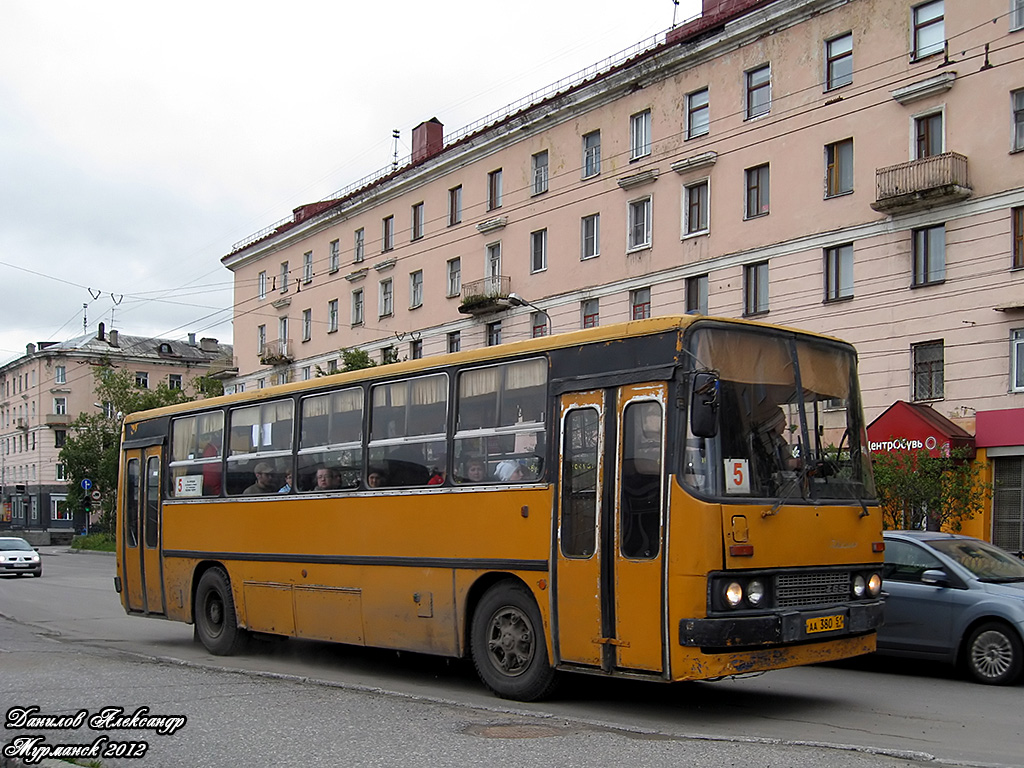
(143, 582)
(609, 547)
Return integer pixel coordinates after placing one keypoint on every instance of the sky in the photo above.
(140, 140)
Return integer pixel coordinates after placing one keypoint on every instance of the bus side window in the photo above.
(640, 505)
(408, 422)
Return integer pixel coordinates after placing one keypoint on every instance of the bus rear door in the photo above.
(143, 582)
(610, 529)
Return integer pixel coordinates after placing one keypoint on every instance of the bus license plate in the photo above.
(825, 623)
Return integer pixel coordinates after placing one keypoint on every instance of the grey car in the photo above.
(19, 557)
(954, 599)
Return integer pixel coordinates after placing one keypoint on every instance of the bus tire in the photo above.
(216, 621)
(507, 643)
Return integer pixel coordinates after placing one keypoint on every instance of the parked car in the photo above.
(17, 556)
(954, 599)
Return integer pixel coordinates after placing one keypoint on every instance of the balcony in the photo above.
(920, 184)
(58, 419)
(486, 296)
(276, 352)
(21, 423)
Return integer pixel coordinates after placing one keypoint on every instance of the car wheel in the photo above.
(508, 645)
(994, 654)
(37, 574)
(216, 622)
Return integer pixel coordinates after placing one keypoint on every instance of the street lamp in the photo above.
(518, 301)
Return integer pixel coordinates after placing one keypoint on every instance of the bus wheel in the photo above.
(216, 624)
(508, 645)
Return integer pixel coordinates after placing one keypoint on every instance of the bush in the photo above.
(100, 542)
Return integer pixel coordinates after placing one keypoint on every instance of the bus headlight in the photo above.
(755, 592)
(734, 594)
(859, 586)
(875, 585)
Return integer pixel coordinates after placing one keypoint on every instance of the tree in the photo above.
(92, 447)
(351, 360)
(918, 490)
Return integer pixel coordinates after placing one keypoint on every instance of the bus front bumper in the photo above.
(781, 627)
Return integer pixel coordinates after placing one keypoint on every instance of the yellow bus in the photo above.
(678, 498)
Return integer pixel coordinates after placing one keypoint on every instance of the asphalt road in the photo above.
(66, 646)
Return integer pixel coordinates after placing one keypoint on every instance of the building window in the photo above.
(494, 333)
(60, 406)
(174, 381)
(417, 221)
(929, 29)
(455, 206)
(590, 236)
(387, 235)
(1017, 360)
(928, 371)
(1017, 227)
(640, 304)
(697, 294)
(929, 255)
(307, 324)
(928, 136)
(284, 277)
(539, 170)
(261, 285)
(759, 91)
(282, 334)
(359, 245)
(755, 288)
(332, 366)
(493, 266)
(590, 313)
(839, 168)
(307, 373)
(538, 324)
(332, 315)
(639, 232)
(539, 250)
(357, 307)
(494, 190)
(591, 154)
(838, 61)
(386, 298)
(416, 289)
(454, 277)
(261, 339)
(60, 375)
(416, 349)
(335, 256)
(307, 267)
(388, 355)
(839, 272)
(1018, 119)
(1016, 14)
(59, 472)
(60, 437)
(698, 113)
(454, 341)
(695, 210)
(640, 135)
(757, 192)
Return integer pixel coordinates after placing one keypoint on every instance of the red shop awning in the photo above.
(912, 427)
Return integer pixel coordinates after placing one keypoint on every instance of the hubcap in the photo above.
(992, 654)
(510, 645)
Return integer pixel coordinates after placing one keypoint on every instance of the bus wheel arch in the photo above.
(214, 614)
(508, 643)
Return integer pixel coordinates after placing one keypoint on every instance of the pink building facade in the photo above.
(852, 167)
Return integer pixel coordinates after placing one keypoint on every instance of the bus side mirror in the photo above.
(704, 405)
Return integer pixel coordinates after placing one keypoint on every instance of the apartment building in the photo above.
(853, 167)
(46, 389)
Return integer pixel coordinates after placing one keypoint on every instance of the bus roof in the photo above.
(605, 333)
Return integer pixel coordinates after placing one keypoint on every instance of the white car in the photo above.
(19, 557)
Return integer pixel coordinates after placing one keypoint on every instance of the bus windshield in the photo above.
(790, 424)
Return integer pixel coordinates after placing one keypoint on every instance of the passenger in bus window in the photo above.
(211, 472)
(287, 487)
(510, 471)
(439, 472)
(265, 482)
(327, 478)
(376, 478)
(475, 471)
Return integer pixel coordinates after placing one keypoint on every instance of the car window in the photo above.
(987, 562)
(905, 561)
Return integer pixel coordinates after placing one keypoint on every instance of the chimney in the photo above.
(208, 345)
(30, 349)
(100, 332)
(427, 139)
(191, 339)
(113, 337)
